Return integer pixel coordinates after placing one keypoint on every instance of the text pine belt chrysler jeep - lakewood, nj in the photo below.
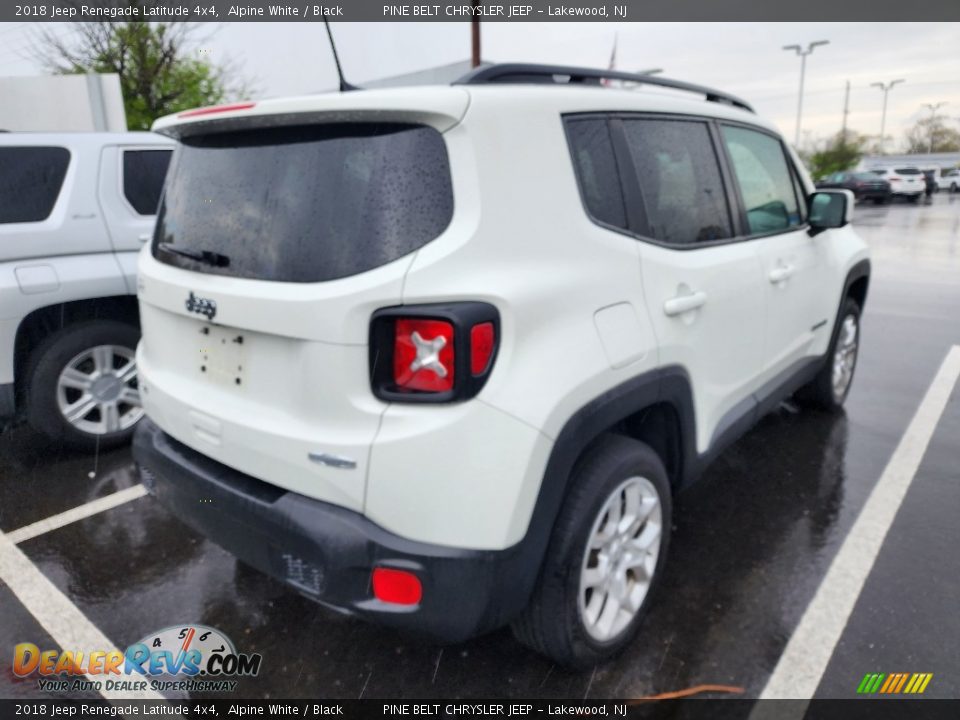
(439, 357)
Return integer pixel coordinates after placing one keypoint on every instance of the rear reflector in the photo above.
(481, 347)
(216, 109)
(396, 586)
(423, 355)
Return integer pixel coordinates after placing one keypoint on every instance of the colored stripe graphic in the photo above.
(894, 683)
(903, 680)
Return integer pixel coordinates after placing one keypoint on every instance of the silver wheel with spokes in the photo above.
(620, 558)
(97, 390)
(844, 357)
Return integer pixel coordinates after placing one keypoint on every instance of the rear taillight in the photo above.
(894, 178)
(481, 347)
(423, 355)
(432, 353)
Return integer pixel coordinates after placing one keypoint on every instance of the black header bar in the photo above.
(486, 11)
(512, 709)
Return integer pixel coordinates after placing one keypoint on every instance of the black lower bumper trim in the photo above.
(327, 552)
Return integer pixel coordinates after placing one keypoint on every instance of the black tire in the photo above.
(46, 363)
(880, 201)
(551, 623)
(820, 391)
(913, 198)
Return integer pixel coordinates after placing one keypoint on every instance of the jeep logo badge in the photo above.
(201, 306)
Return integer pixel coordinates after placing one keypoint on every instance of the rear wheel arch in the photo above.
(37, 325)
(655, 407)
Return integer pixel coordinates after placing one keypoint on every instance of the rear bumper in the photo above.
(326, 552)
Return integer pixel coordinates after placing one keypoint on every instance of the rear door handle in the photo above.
(684, 303)
(781, 273)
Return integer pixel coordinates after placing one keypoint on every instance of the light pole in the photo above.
(933, 118)
(803, 67)
(883, 118)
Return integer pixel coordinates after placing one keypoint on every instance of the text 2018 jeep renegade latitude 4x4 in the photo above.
(439, 357)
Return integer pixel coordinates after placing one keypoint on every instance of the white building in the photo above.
(62, 103)
(924, 161)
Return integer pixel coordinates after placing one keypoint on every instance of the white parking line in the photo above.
(62, 620)
(803, 662)
(78, 513)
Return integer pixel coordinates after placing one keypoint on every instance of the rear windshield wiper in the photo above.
(207, 257)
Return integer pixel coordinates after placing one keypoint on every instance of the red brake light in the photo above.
(423, 355)
(216, 109)
(893, 177)
(396, 586)
(481, 347)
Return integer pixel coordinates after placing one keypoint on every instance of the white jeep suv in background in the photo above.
(75, 210)
(440, 357)
(905, 182)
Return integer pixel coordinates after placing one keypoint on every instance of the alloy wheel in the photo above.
(620, 558)
(97, 390)
(844, 357)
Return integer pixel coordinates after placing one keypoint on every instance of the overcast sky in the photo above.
(744, 59)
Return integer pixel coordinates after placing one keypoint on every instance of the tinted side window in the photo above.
(766, 183)
(30, 181)
(596, 169)
(679, 179)
(143, 175)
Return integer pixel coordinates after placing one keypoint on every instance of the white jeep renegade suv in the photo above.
(439, 357)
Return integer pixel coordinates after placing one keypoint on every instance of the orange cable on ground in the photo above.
(695, 690)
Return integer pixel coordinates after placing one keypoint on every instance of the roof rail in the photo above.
(562, 74)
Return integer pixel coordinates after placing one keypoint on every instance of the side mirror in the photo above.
(830, 209)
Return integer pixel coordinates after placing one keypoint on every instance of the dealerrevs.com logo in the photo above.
(183, 658)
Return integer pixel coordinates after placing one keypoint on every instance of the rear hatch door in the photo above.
(276, 240)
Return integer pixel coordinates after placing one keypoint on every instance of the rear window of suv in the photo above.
(304, 203)
(908, 171)
(30, 182)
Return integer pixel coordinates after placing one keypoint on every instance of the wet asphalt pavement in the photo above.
(751, 544)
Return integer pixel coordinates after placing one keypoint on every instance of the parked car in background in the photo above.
(905, 182)
(863, 185)
(75, 209)
(949, 180)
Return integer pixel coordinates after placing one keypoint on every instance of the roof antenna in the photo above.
(344, 85)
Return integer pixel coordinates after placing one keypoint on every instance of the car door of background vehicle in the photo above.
(794, 264)
(702, 286)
